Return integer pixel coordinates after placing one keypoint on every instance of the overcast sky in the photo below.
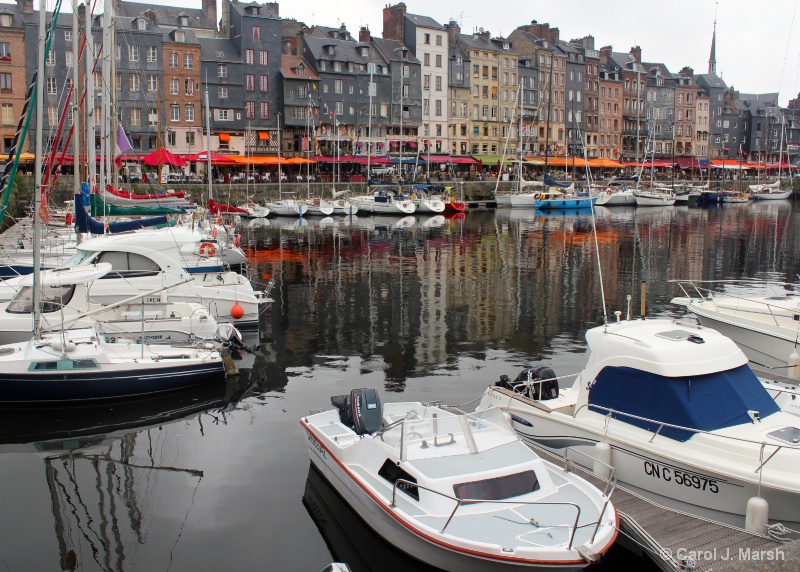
(758, 43)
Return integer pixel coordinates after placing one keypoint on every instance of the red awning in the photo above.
(464, 161)
(412, 144)
(225, 137)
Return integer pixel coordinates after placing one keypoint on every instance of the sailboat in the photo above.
(772, 191)
(77, 365)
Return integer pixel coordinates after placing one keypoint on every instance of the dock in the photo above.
(677, 541)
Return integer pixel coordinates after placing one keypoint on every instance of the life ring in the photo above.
(536, 196)
(608, 192)
(452, 199)
(207, 249)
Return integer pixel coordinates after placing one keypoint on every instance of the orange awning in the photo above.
(604, 163)
(224, 137)
(263, 135)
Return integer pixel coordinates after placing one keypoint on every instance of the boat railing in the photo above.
(526, 387)
(706, 294)
(405, 484)
(662, 424)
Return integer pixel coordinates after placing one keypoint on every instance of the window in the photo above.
(173, 87)
(133, 53)
(119, 82)
(438, 109)
(264, 110)
(136, 117)
(438, 83)
(188, 61)
(188, 87)
(152, 82)
(5, 51)
(175, 112)
(426, 59)
(173, 60)
(337, 66)
(118, 54)
(51, 58)
(222, 70)
(438, 39)
(180, 36)
(263, 82)
(222, 92)
(256, 32)
(302, 91)
(249, 56)
(337, 86)
(189, 113)
(52, 114)
(133, 82)
(384, 110)
(223, 114)
(438, 60)
(322, 65)
(263, 57)
(152, 54)
(427, 39)
(7, 116)
(152, 117)
(68, 59)
(5, 20)
(52, 88)
(339, 108)
(189, 138)
(250, 109)
(250, 82)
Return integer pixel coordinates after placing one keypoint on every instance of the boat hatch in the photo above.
(63, 364)
(681, 335)
(789, 435)
(498, 488)
(392, 473)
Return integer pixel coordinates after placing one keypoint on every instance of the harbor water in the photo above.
(420, 308)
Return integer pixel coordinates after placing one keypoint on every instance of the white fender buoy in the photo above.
(757, 515)
(602, 458)
(507, 417)
(794, 364)
(164, 298)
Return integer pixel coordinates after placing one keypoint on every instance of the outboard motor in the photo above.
(360, 410)
(539, 391)
(232, 338)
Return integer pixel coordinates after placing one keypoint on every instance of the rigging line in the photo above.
(185, 518)
(788, 40)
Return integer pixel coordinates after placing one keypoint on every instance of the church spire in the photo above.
(712, 59)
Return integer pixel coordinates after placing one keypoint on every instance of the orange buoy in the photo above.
(237, 311)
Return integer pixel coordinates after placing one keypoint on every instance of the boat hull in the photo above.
(106, 384)
(626, 199)
(771, 196)
(577, 203)
(660, 478)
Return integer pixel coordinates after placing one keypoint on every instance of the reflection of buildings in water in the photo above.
(349, 538)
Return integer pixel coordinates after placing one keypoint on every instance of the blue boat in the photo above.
(554, 199)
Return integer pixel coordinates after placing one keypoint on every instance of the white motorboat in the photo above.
(764, 323)
(384, 202)
(344, 207)
(653, 198)
(288, 207)
(318, 207)
(426, 203)
(255, 210)
(147, 261)
(65, 305)
(679, 413)
(770, 194)
(459, 492)
(616, 195)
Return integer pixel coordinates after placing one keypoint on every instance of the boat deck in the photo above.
(675, 540)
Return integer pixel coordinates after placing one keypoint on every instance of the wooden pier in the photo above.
(678, 541)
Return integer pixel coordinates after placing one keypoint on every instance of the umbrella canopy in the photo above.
(566, 162)
(203, 156)
(163, 157)
(603, 163)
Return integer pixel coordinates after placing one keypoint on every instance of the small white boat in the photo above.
(255, 210)
(764, 324)
(616, 195)
(318, 207)
(770, 194)
(65, 305)
(458, 492)
(384, 202)
(427, 203)
(344, 207)
(288, 207)
(654, 198)
(676, 409)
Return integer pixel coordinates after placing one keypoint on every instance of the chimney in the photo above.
(210, 11)
(636, 52)
(605, 55)
(274, 6)
(588, 42)
(393, 17)
(453, 31)
(541, 31)
(687, 72)
(364, 35)
(25, 6)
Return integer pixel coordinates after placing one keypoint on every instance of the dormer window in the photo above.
(180, 36)
(5, 20)
(300, 70)
(220, 54)
(364, 52)
(337, 66)
(330, 50)
(140, 24)
(183, 20)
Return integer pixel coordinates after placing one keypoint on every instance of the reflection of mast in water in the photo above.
(100, 510)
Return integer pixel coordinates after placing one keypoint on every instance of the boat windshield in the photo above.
(704, 402)
(435, 434)
(80, 257)
(53, 298)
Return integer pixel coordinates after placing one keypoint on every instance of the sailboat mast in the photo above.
(208, 145)
(371, 91)
(37, 194)
(76, 107)
(91, 156)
